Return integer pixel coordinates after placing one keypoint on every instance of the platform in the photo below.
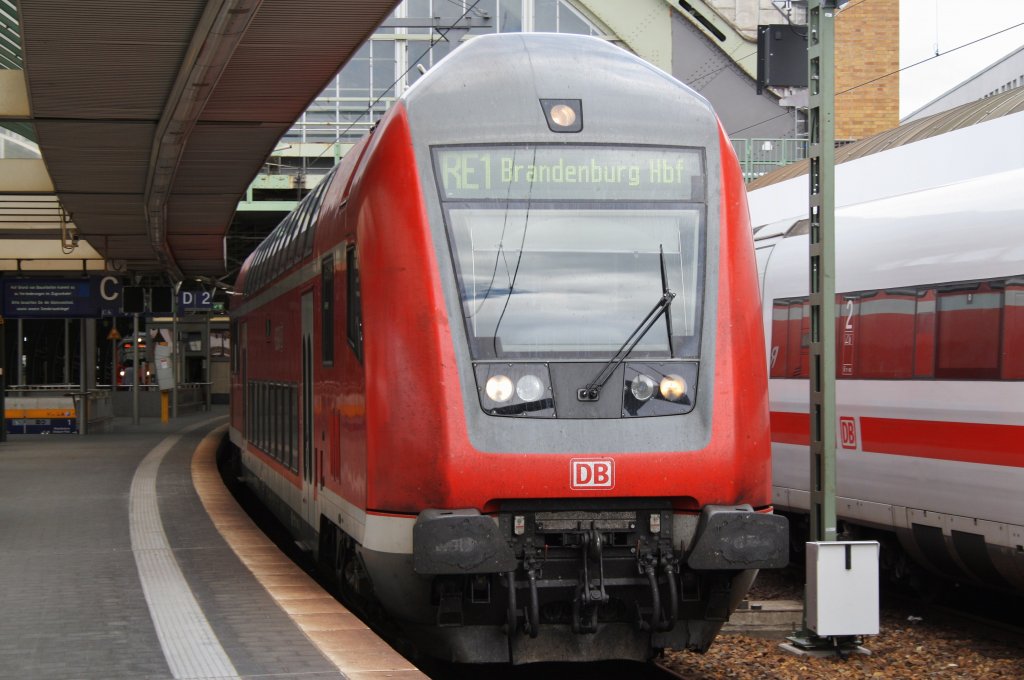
(122, 555)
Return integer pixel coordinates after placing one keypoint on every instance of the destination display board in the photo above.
(550, 172)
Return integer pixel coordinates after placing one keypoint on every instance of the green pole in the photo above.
(822, 260)
(821, 129)
(821, 253)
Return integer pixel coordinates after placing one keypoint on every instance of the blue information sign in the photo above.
(62, 298)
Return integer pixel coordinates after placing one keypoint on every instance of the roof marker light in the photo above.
(563, 115)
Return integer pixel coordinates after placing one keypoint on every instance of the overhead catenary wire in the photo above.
(442, 34)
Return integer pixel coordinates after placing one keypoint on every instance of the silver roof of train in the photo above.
(624, 99)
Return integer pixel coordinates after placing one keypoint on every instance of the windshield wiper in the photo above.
(592, 390)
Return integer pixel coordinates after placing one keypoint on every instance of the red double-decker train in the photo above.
(503, 368)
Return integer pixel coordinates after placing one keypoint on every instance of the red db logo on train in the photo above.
(848, 432)
(586, 474)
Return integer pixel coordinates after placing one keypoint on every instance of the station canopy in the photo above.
(152, 119)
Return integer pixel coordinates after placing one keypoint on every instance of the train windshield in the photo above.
(556, 268)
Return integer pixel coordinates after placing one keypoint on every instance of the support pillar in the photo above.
(21, 352)
(67, 352)
(209, 366)
(135, 369)
(175, 355)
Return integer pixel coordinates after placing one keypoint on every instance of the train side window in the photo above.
(294, 401)
(261, 420)
(798, 334)
(270, 411)
(254, 423)
(924, 335)
(275, 421)
(790, 332)
(249, 406)
(327, 310)
(886, 325)
(354, 314)
(1013, 330)
(777, 357)
(967, 336)
(265, 420)
(304, 239)
(234, 355)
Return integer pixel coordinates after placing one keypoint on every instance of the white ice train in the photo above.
(930, 363)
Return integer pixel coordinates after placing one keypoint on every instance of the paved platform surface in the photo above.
(110, 567)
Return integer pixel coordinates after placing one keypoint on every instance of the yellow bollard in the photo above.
(164, 411)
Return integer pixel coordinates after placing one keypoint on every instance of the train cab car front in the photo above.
(563, 365)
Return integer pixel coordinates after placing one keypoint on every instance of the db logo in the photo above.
(848, 432)
(591, 474)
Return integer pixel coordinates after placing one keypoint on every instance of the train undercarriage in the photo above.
(556, 580)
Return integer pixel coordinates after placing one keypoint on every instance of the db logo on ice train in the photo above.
(591, 473)
(848, 432)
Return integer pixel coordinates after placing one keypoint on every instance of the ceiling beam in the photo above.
(220, 29)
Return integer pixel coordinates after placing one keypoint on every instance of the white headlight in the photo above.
(642, 387)
(673, 387)
(499, 388)
(529, 388)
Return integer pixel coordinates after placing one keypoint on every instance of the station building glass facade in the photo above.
(418, 34)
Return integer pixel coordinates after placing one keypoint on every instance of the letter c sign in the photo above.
(110, 288)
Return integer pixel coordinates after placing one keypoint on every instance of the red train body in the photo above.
(542, 522)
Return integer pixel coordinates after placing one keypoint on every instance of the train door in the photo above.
(310, 500)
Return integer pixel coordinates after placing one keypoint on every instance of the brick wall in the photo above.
(867, 47)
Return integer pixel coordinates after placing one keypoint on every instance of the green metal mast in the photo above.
(822, 258)
(821, 150)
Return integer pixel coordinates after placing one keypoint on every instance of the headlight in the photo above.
(659, 388)
(515, 389)
(642, 387)
(529, 388)
(499, 388)
(673, 387)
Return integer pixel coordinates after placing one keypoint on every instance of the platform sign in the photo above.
(89, 297)
(195, 300)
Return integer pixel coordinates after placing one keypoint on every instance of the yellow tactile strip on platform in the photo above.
(337, 633)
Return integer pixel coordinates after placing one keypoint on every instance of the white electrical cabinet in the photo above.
(842, 588)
